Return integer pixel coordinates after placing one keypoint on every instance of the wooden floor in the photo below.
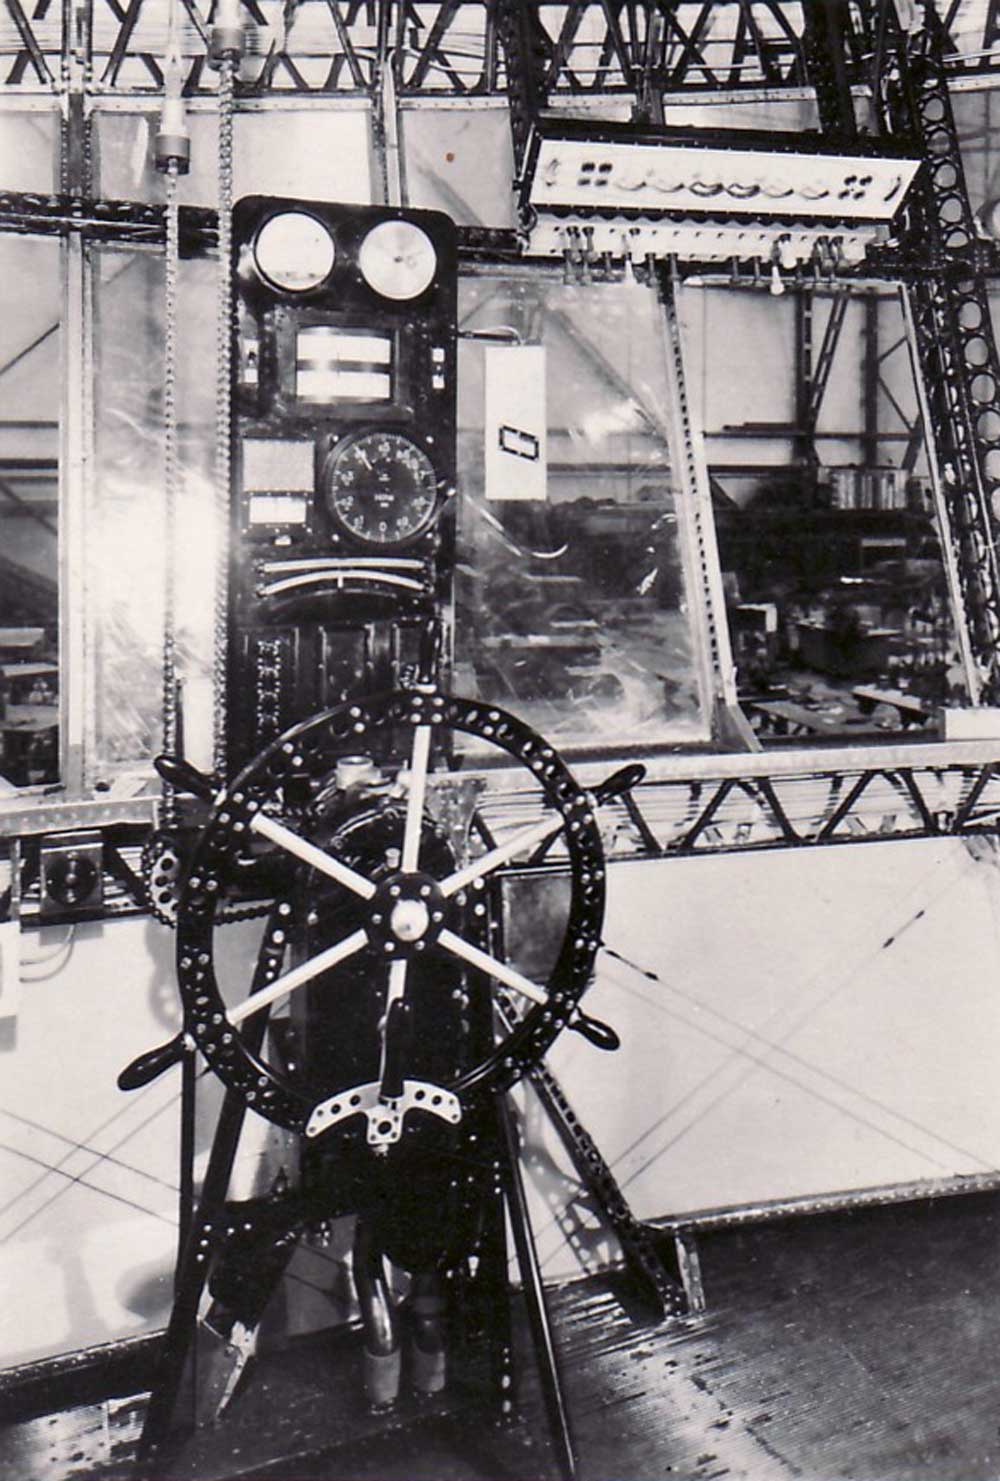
(859, 1346)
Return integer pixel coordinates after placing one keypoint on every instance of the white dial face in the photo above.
(397, 259)
(381, 488)
(294, 251)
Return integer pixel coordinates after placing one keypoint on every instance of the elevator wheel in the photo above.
(404, 914)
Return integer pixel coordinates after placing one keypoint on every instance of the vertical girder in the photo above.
(955, 341)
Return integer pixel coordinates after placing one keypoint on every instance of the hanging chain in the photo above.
(223, 456)
(171, 466)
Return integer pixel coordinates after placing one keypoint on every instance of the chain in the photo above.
(223, 456)
(171, 466)
(231, 915)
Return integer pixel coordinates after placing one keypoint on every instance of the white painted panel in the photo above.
(816, 1022)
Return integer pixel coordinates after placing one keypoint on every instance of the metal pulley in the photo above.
(172, 145)
(226, 41)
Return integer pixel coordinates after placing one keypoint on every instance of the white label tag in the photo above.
(514, 424)
(10, 968)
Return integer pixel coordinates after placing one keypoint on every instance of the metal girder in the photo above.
(749, 804)
(644, 48)
(955, 343)
(137, 222)
(824, 363)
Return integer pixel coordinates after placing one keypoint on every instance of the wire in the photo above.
(515, 549)
(62, 949)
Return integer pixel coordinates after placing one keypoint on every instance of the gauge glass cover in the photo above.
(397, 259)
(294, 251)
(381, 488)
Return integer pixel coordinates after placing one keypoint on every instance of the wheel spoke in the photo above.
(299, 976)
(397, 982)
(310, 853)
(486, 863)
(509, 976)
(395, 994)
(415, 798)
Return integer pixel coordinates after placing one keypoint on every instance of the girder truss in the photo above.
(754, 804)
(451, 49)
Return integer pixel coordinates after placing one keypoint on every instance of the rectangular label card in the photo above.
(515, 431)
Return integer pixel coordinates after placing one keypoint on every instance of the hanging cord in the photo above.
(172, 153)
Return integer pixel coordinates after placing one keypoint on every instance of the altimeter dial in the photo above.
(381, 488)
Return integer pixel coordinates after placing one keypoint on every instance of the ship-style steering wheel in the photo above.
(401, 917)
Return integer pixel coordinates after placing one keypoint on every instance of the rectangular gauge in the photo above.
(277, 509)
(277, 465)
(332, 364)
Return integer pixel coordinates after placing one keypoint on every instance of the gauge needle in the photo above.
(363, 457)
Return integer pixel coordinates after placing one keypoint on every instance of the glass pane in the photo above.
(571, 603)
(836, 587)
(311, 156)
(460, 161)
(30, 378)
(125, 531)
(29, 158)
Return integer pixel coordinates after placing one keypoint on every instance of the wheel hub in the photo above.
(409, 920)
(407, 913)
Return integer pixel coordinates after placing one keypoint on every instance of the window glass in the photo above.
(29, 158)
(837, 592)
(125, 526)
(311, 156)
(572, 602)
(30, 372)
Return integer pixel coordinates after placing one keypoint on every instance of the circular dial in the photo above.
(381, 487)
(294, 251)
(397, 259)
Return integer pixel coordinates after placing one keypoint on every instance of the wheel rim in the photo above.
(407, 913)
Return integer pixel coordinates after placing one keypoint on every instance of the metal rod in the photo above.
(534, 1291)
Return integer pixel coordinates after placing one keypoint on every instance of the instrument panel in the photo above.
(344, 460)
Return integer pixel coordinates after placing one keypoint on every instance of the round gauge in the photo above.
(294, 251)
(397, 259)
(380, 487)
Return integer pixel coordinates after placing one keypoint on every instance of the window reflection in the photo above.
(571, 603)
(29, 511)
(126, 549)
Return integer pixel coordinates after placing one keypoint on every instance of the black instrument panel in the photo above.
(344, 457)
